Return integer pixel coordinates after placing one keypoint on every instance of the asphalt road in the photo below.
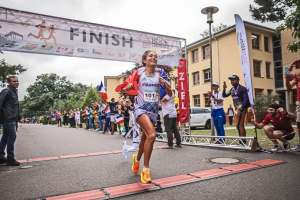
(64, 176)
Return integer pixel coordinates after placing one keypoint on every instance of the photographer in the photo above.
(282, 130)
(289, 86)
(9, 116)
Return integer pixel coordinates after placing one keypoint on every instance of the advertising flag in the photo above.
(244, 56)
(102, 92)
(120, 119)
(183, 91)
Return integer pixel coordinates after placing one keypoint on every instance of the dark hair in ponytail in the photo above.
(144, 56)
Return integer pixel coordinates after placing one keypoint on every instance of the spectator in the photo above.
(65, 117)
(48, 118)
(230, 114)
(77, 118)
(125, 111)
(101, 108)
(58, 117)
(9, 116)
(96, 118)
(70, 118)
(218, 115)
(52, 118)
(170, 115)
(240, 102)
(87, 112)
(113, 114)
(73, 118)
(282, 130)
(289, 86)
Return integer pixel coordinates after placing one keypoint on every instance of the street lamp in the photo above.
(59, 96)
(209, 11)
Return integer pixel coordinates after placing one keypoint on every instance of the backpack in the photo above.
(241, 96)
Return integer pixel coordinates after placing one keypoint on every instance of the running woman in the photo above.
(146, 109)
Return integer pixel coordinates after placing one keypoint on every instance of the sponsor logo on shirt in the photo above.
(150, 84)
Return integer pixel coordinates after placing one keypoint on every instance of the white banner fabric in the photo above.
(244, 56)
(35, 33)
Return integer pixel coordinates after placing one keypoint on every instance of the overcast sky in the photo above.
(180, 18)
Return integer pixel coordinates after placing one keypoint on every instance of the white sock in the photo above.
(145, 167)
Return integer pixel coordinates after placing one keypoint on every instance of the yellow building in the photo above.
(226, 62)
(265, 57)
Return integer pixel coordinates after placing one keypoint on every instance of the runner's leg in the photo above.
(150, 134)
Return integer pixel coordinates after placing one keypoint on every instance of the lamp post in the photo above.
(59, 96)
(209, 11)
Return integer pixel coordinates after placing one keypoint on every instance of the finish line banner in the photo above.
(244, 56)
(35, 33)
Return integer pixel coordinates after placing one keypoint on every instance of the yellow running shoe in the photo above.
(145, 176)
(136, 165)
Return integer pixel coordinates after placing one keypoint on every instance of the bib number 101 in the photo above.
(151, 96)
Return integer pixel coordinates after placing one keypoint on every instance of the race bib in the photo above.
(151, 96)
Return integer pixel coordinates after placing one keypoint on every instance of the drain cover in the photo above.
(233, 160)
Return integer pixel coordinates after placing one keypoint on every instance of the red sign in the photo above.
(183, 91)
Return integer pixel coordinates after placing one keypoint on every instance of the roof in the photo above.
(248, 25)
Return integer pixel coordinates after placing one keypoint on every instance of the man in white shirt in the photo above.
(77, 118)
(170, 115)
(101, 109)
(218, 115)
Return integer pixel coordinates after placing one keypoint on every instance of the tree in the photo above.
(45, 91)
(7, 69)
(91, 97)
(277, 10)
(214, 30)
(262, 101)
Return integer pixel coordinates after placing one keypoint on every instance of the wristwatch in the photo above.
(286, 113)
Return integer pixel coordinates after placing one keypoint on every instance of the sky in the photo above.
(167, 17)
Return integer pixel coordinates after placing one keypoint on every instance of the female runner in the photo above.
(42, 28)
(146, 109)
(51, 35)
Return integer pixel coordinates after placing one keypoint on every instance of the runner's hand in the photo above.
(281, 110)
(287, 76)
(162, 81)
(224, 85)
(129, 86)
(209, 94)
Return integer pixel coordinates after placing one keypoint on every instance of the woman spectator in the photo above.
(65, 117)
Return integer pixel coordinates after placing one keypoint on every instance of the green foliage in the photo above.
(277, 10)
(7, 69)
(262, 101)
(91, 97)
(214, 30)
(43, 94)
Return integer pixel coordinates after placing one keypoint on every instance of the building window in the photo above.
(195, 56)
(206, 52)
(269, 92)
(256, 66)
(206, 75)
(258, 91)
(207, 104)
(197, 100)
(255, 41)
(196, 78)
(268, 70)
(266, 41)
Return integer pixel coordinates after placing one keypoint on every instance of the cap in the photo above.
(215, 83)
(234, 77)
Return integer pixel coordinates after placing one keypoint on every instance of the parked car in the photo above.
(200, 117)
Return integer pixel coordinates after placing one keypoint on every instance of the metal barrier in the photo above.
(230, 142)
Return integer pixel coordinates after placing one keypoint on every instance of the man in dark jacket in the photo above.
(9, 116)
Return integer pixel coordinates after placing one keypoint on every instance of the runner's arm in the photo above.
(245, 97)
(226, 94)
(164, 99)
(259, 126)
